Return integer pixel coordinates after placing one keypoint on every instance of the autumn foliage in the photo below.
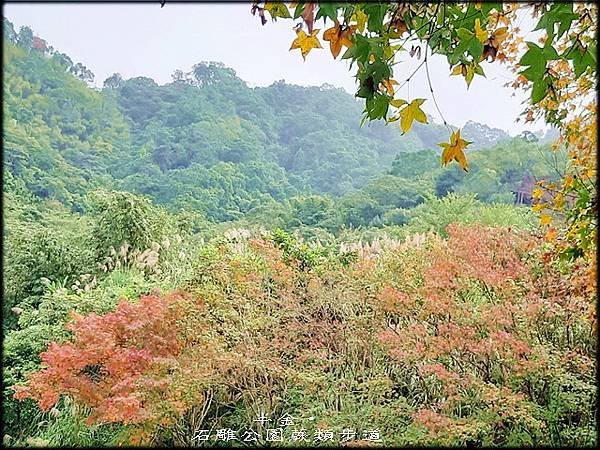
(494, 351)
(464, 340)
(115, 361)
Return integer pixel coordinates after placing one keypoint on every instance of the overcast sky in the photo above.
(147, 40)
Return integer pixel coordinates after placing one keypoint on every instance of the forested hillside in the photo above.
(60, 136)
(206, 140)
(209, 143)
(197, 139)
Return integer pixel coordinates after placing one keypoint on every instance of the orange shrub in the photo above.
(471, 334)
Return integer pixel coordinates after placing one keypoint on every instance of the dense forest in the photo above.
(305, 234)
(207, 142)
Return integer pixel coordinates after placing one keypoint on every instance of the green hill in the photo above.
(209, 143)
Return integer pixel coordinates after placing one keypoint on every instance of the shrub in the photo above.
(476, 334)
(124, 218)
(55, 249)
(41, 320)
(436, 214)
(457, 341)
(111, 358)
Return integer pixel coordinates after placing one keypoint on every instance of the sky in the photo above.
(147, 40)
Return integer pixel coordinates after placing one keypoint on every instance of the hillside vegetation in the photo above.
(210, 143)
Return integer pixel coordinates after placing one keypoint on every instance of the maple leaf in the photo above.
(480, 33)
(338, 37)
(305, 42)
(489, 51)
(308, 15)
(388, 85)
(454, 150)
(459, 69)
(399, 26)
(467, 71)
(499, 36)
(361, 19)
(410, 113)
(396, 103)
(470, 74)
(277, 9)
(492, 44)
(545, 219)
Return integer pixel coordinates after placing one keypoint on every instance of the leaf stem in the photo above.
(431, 90)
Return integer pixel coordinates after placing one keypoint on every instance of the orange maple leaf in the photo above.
(454, 150)
(338, 37)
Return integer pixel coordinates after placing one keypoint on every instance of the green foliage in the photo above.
(122, 218)
(297, 253)
(465, 33)
(59, 135)
(496, 173)
(207, 143)
(43, 243)
(262, 141)
(42, 319)
(70, 429)
(436, 214)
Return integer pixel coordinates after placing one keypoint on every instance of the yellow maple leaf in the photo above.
(361, 19)
(454, 150)
(499, 36)
(470, 74)
(468, 71)
(305, 42)
(410, 113)
(545, 219)
(338, 37)
(459, 69)
(397, 102)
(480, 33)
(277, 9)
